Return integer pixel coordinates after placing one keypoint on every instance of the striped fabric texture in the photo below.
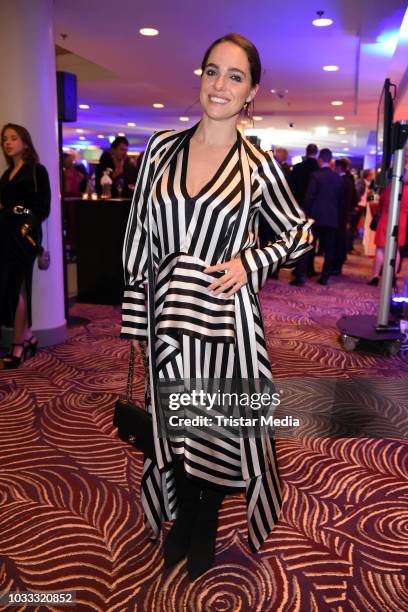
(199, 335)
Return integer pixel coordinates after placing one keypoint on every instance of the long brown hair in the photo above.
(247, 46)
(30, 155)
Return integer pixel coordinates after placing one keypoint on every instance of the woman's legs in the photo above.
(21, 330)
(378, 261)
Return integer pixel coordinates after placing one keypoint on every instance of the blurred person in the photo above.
(301, 173)
(342, 167)
(281, 155)
(365, 192)
(381, 231)
(206, 267)
(357, 211)
(299, 182)
(123, 173)
(323, 203)
(25, 198)
(71, 177)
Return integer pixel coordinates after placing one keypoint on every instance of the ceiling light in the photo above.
(257, 118)
(346, 149)
(244, 121)
(100, 136)
(372, 152)
(184, 118)
(79, 130)
(158, 105)
(198, 72)
(321, 130)
(149, 31)
(273, 90)
(82, 138)
(121, 133)
(338, 117)
(330, 68)
(83, 106)
(344, 141)
(321, 21)
(336, 103)
(131, 124)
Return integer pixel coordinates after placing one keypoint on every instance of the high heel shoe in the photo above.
(10, 361)
(30, 347)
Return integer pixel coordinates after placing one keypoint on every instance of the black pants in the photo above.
(340, 249)
(327, 240)
(351, 232)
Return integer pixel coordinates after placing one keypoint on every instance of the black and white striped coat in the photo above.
(199, 335)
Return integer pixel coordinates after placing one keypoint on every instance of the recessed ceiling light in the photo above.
(344, 141)
(82, 138)
(257, 118)
(79, 130)
(149, 31)
(83, 106)
(184, 118)
(121, 133)
(100, 136)
(244, 121)
(346, 149)
(198, 72)
(372, 152)
(131, 124)
(330, 68)
(321, 21)
(338, 117)
(273, 90)
(321, 130)
(158, 105)
(336, 103)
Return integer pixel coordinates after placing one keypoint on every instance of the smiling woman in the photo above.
(192, 237)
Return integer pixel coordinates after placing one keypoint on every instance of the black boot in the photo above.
(201, 552)
(177, 541)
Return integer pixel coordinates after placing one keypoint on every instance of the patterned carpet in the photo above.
(70, 516)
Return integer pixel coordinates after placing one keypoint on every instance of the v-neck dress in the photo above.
(199, 335)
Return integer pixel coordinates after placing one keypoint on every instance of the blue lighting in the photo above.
(400, 299)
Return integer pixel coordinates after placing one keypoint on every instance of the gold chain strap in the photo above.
(129, 386)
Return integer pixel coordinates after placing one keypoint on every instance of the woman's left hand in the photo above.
(234, 278)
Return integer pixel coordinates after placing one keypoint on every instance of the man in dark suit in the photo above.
(324, 203)
(350, 200)
(301, 173)
(299, 182)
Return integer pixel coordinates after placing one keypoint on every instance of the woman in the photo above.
(193, 228)
(365, 202)
(24, 203)
(380, 234)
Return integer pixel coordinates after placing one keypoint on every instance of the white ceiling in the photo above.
(121, 73)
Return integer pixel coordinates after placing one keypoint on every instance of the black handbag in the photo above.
(374, 221)
(133, 422)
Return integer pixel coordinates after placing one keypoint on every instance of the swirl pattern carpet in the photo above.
(70, 516)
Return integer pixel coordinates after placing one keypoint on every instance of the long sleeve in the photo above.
(42, 197)
(134, 313)
(288, 222)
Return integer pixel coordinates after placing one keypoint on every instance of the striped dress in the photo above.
(195, 334)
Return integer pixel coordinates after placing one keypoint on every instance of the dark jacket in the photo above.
(324, 200)
(300, 177)
(129, 175)
(350, 197)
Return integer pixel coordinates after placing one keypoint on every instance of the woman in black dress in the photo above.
(24, 203)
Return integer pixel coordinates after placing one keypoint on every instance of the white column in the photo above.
(28, 97)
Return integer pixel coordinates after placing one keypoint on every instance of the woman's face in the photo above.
(12, 143)
(226, 82)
